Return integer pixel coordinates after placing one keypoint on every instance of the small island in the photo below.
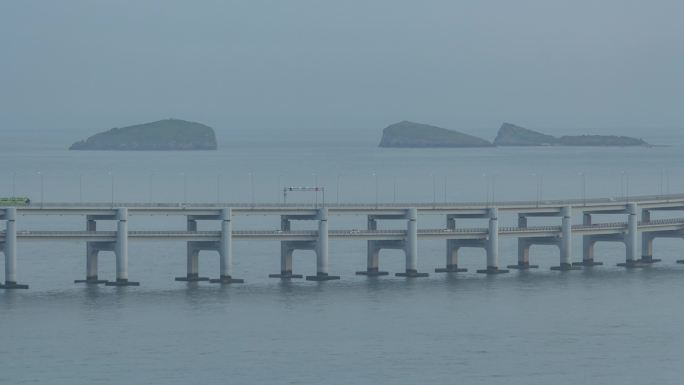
(512, 135)
(410, 134)
(162, 135)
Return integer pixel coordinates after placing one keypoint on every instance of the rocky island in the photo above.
(410, 134)
(168, 134)
(512, 135)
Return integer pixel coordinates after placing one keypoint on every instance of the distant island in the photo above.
(162, 135)
(512, 135)
(410, 134)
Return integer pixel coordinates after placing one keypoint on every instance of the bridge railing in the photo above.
(351, 205)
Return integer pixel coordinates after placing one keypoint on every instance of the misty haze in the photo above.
(317, 192)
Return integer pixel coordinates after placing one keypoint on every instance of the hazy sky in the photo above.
(356, 64)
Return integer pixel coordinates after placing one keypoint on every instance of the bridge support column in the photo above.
(493, 245)
(647, 241)
(373, 257)
(192, 255)
(285, 254)
(10, 251)
(566, 242)
(226, 250)
(588, 243)
(322, 250)
(632, 238)
(452, 249)
(411, 246)
(92, 254)
(523, 249)
(121, 250)
(451, 252)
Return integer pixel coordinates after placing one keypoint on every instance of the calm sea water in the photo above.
(604, 325)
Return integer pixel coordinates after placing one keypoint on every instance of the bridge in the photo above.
(637, 230)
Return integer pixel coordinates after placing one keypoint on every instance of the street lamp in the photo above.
(584, 188)
(185, 188)
(42, 189)
(14, 184)
(484, 177)
(395, 189)
(218, 189)
(434, 190)
(80, 188)
(251, 186)
(111, 175)
(149, 190)
(338, 189)
(376, 189)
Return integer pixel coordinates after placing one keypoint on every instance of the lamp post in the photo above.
(218, 189)
(395, 190)
(251, 187)
(14, 184)
(42, 189)
(376, 189)
(338, 189)
(434, 190)
(149, 190)
(185, 188)
(111, 175)
(80, 188)
(584, 188)
(484, 177)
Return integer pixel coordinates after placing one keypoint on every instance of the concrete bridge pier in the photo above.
(631, 239)
(647, 241)
(373, 257)
(225, 250)
(322, 250)
(588, 243)
(10, 250)
(192, 255)
(493, 245)
(121, 250)
(452, 249)
(286, 250)
(565, 242)
(92, 255)
(411, 246)
(523, 249)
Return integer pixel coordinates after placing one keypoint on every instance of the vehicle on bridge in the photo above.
(14, 201)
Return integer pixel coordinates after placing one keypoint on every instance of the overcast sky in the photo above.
(355, 64)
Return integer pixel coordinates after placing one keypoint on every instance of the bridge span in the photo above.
(637, 228)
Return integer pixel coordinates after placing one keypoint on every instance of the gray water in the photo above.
(601, 325)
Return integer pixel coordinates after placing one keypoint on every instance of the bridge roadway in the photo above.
(637, 210)
(652, 202)
(365, 235)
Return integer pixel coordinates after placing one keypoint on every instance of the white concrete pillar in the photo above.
(588, 243)
(11, 246)
(566, 237)
(322, 244)
(493, 240)
(632, 234)
(10, 251)
(411, 246)
(226, 249)
(322, 249)
(492, 245)
(121, 250)
(412, 241)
